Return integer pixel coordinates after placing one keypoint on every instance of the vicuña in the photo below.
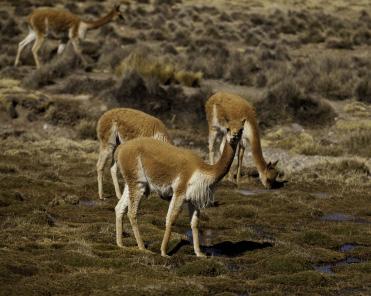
(63, 25)
(118, 126)
(149, 165)
(225, 111)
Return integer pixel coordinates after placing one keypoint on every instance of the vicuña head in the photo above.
(63, 25)
(224, 112)
(150, 165)
(269, 175)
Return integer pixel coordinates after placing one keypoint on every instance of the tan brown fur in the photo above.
(225, 110)
(120, 125)
(149, 165)
(60, 24)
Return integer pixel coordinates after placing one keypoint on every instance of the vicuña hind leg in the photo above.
(35, 49)
(30, 37)
(104, 153)
(134, 200)
(241, 151)
(175, 208)
(120, 209)
(115, 180)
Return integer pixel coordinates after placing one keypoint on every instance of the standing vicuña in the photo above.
(225, 111)
(150, 165)
(117, 126)
(64, 25)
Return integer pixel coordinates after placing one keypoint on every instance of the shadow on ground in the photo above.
(226, 248)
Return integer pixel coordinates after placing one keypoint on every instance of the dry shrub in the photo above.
(73, 7)
(166, 2)
(188, 78)
(358, 142)
(5, 60)
(241, 69)
(253, 37)
(153, 68)
(86, 129)
(344, 169)
(312, 35)
(170, 103)
(207, 56)
(329, 76)
(363, 89)
(339, 43)
(91, 49)
(362, 36)
(10, 29)
(64, 112)
(85, 85)
(272, 51)
(95, 9)
(60, 67)
(285, 101)
(147, 65)
(112, 53)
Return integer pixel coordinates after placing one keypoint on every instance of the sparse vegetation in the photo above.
(306, 68)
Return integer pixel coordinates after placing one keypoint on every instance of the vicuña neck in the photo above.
(218, 170)
(101, 21)
(256, 149)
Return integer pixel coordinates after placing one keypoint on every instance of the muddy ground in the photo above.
(305, 65)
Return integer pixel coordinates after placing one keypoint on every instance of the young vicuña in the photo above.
(224, 111)
(149, 165)
(63, 25)
(118, 126)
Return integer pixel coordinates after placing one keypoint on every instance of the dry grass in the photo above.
(149, 67)
(290, 57)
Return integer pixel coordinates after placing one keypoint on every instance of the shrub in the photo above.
(167, 102)
(359, 142)
(146, 65)
(290, 103)
(241, 69)
(87, 129)
(363, 36)
(339, 43)
(188, 78)
(60, 67)
(85, 85)
(64, 112)
(329, 76)
(363, 89)
(112, 54)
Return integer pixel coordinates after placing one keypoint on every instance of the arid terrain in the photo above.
(304, 65)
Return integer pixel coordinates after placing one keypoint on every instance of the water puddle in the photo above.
(226, 248)
(328, 267)
(347, 247)
(339, 217)
(88, 203)
(252, 192)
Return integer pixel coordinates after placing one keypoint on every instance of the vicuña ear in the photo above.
(243, 121)
(269, 165)
(274, 164)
